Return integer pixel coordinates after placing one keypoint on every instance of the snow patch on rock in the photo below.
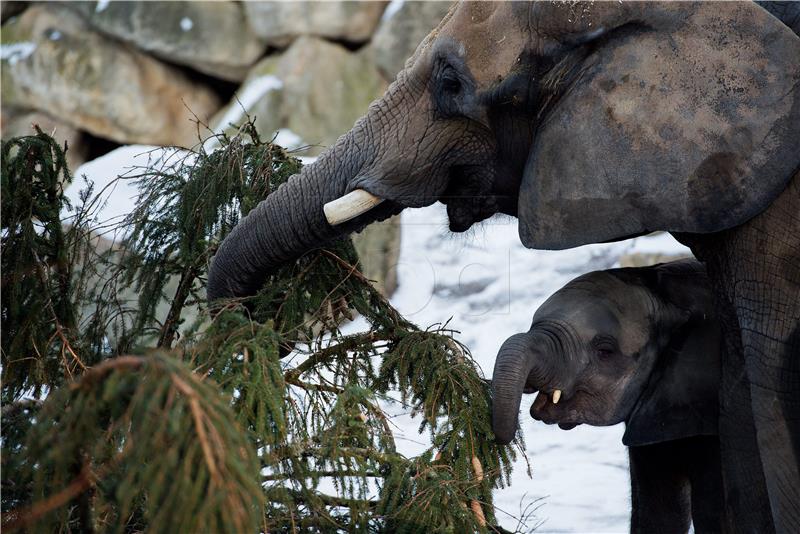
(249, 94)
(118, 196)
(392, 9)
(14, 52)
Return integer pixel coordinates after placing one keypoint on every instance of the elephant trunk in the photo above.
(518, 358)
(291, 221)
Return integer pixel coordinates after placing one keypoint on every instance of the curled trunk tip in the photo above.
(514, 363)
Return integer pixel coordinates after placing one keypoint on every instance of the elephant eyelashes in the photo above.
(448, 95)
(451, 91)
(604, 347)
(450, 85)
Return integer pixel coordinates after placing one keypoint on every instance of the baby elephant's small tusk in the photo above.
(350, 206)
(556, 396)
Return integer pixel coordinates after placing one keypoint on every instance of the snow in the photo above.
(288, 140)
(250, 93)
(14, 52)
(54, 35)
(119, 196)
(186, 24)
(101, 6)
(488, 285)
(390, 11)
(659, 243)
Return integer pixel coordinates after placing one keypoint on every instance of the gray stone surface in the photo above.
(323, 89)
(211, 37)
(378, 247)
(278, 23)
(17, 123)
(399, 34)
(54, 63)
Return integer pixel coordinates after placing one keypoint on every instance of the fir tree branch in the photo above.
(16, 519)
(328, 500)
(308, 386)
(99, 371)
(170, 327)
(199, 424)
(319, 474)
(344, 344)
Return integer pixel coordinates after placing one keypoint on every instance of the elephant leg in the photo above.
(756, 267)
(705, 475)
(747, 507)
(660, 491)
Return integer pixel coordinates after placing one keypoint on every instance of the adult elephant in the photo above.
(595, 122)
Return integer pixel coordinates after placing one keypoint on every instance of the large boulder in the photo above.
(211, 37)
(12, 8)
(17, 123)
(53, 62)
(279, 23)
(378, 247)
(316, 89)
(404, 26)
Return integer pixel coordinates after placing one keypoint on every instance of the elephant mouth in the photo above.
(561, 412)
(470, 197)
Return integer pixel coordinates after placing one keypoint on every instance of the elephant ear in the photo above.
(681, 397)
(682, 117)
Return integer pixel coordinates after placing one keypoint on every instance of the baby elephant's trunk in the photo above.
(516, 360)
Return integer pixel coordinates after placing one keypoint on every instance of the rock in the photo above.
(211, 37)
(53, 62)
(12, 8)
(18, 123)
(279, 23)
(401, 31)
(378, 247)
(316, 89)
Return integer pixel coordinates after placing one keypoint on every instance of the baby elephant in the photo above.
(640, 345)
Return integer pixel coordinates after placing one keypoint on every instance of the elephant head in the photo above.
(636, 345)
(588, 121)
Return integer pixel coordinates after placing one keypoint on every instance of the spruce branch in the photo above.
(218, 430)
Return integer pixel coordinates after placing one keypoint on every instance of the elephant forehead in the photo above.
(600, 304)
(490, 39)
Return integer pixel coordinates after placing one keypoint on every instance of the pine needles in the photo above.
(133, 410)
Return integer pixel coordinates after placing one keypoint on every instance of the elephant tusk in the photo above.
(556, 396)
(350, 206)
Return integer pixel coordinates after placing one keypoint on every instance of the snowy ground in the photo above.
(488, 285)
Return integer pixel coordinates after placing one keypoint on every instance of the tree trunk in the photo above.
(756, 272)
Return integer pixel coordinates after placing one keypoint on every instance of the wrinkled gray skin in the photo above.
(640, 346)
(594, 122)
(636, 345)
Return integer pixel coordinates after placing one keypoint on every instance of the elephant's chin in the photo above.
(551, 414)
(469, 196)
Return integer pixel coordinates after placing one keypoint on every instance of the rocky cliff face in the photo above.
(120, 72)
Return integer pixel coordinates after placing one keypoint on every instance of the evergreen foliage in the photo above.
(125, 411)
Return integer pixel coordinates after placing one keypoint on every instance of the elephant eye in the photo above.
(452, 89)
(604, 347)
(451, 84)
